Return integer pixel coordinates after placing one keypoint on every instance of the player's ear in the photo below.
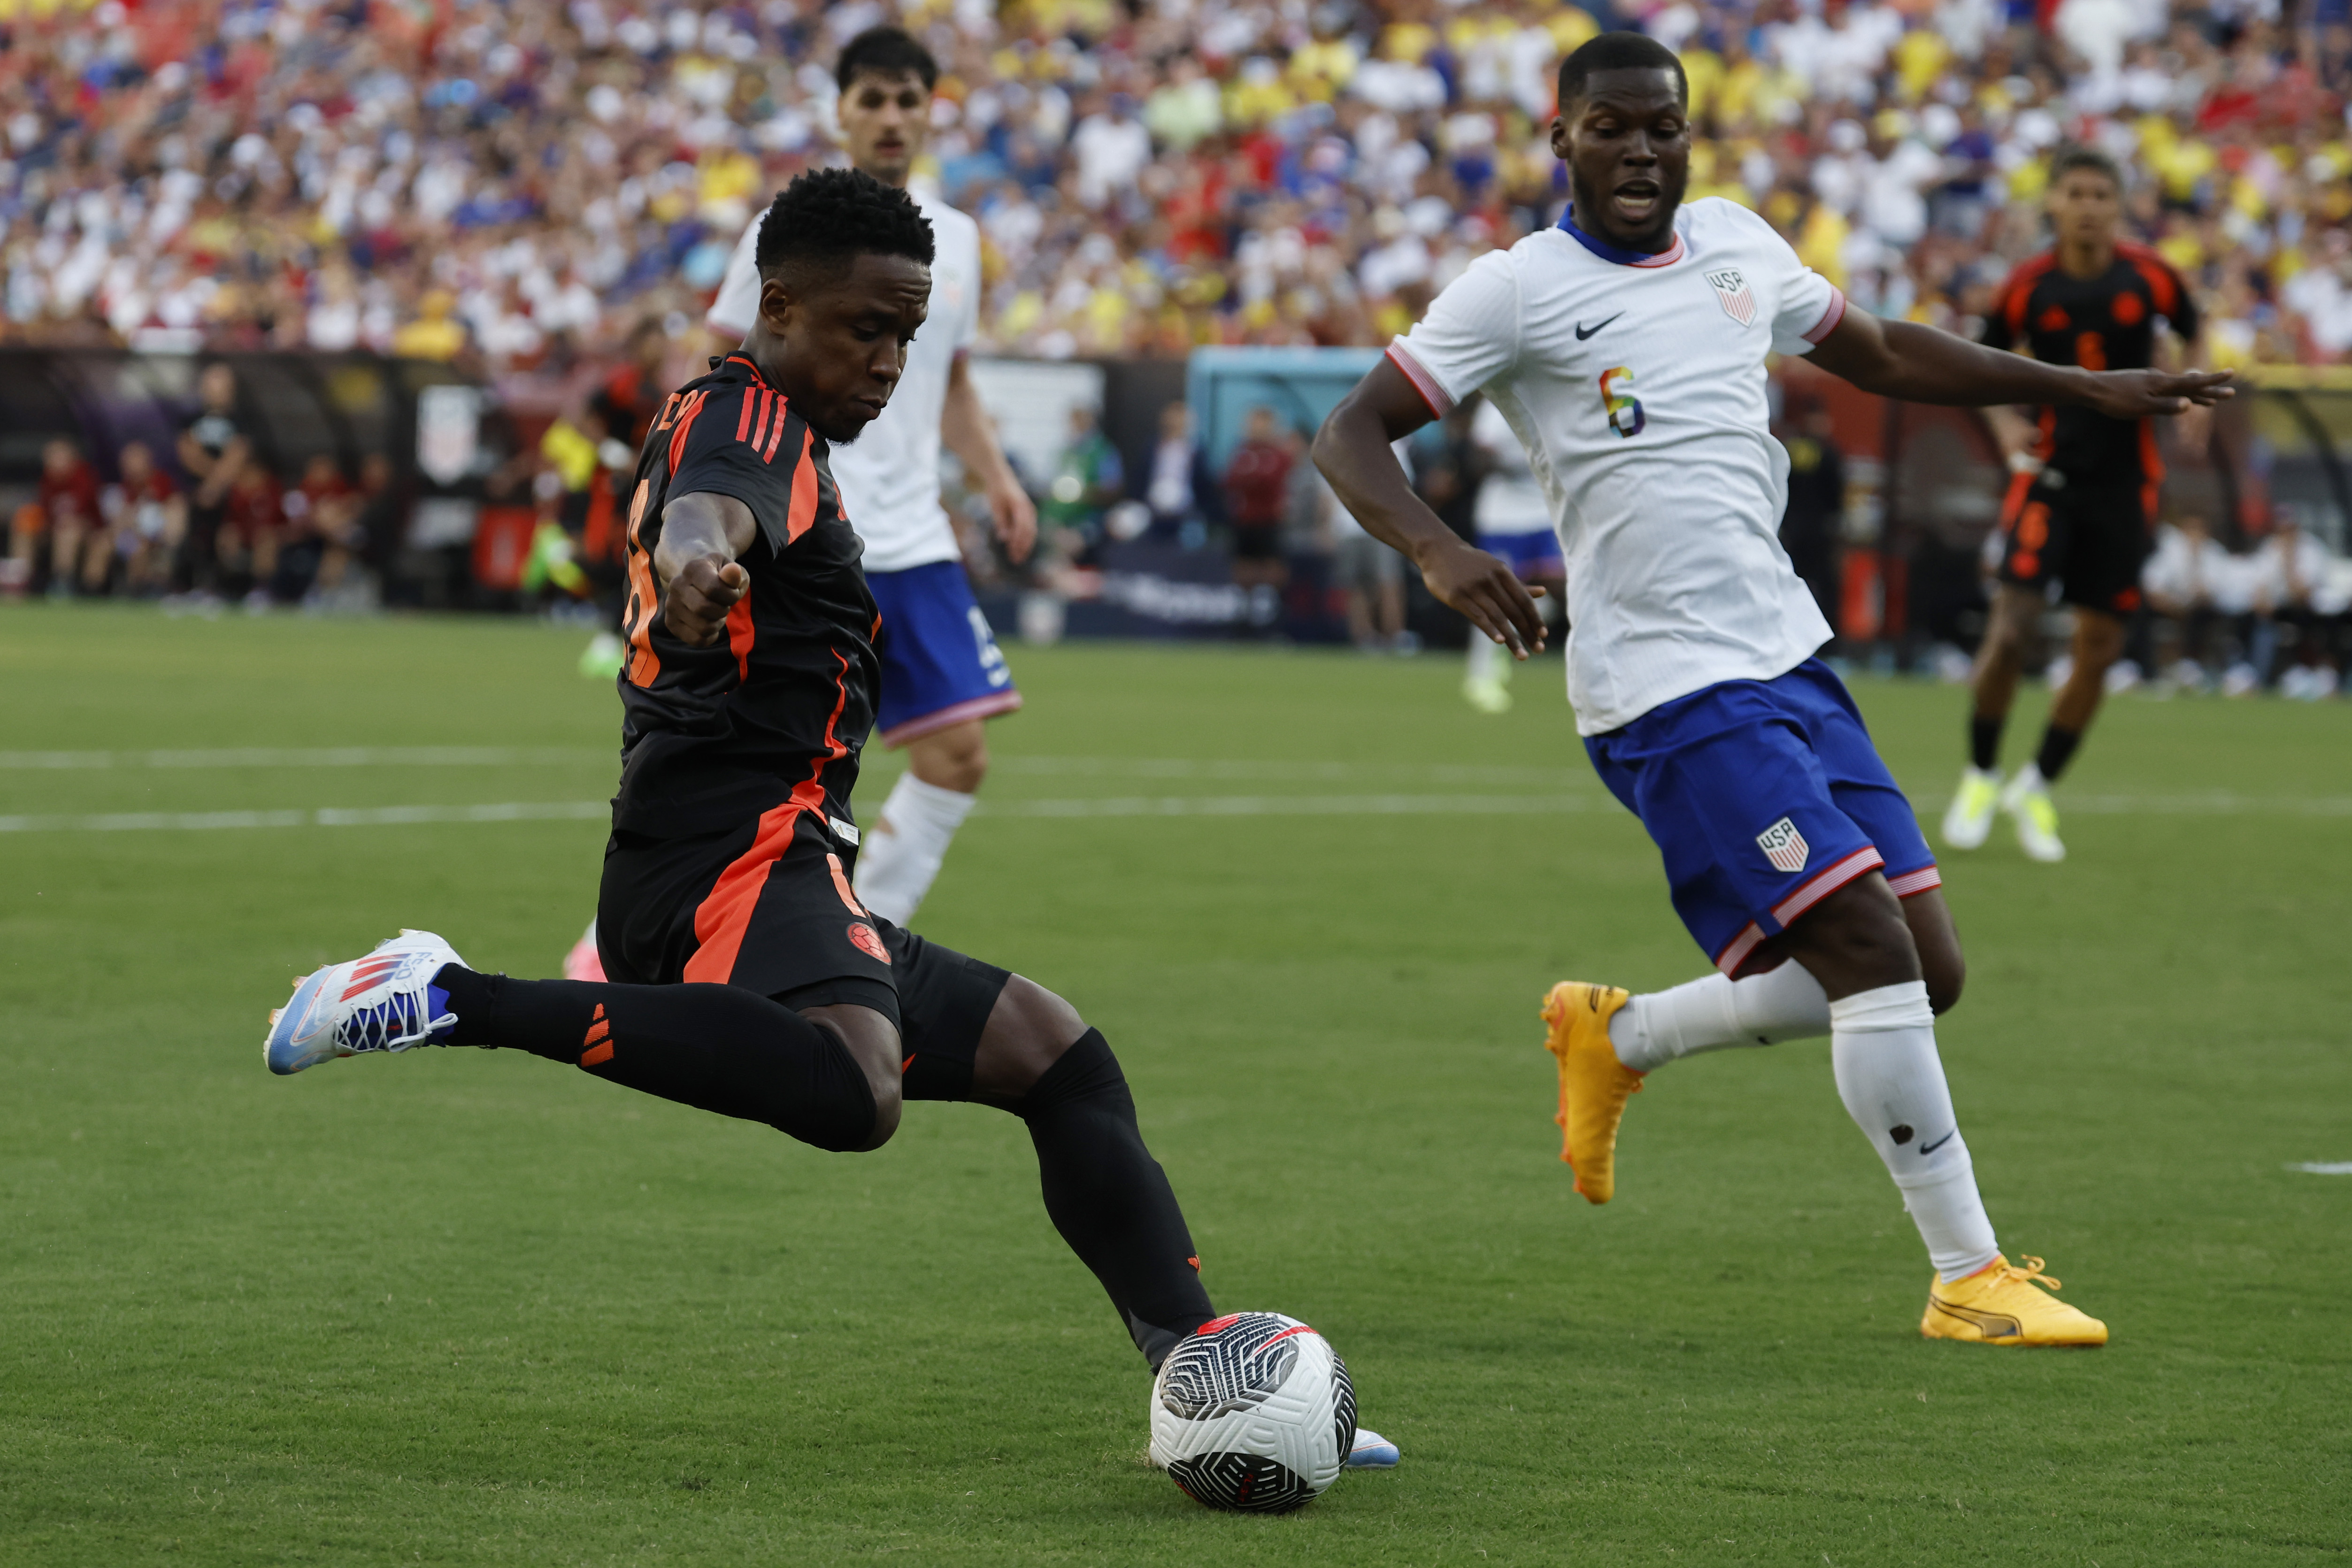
(776, 303)
(1560, 134)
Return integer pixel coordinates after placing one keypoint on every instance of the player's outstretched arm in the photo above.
(1922, 364)
(966, 430)
(702, 534)
(1352, 451)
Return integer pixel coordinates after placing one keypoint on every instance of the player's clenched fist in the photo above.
(701, 594)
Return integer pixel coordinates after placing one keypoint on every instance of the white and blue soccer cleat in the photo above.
(1371, 1452)
(379, 1003)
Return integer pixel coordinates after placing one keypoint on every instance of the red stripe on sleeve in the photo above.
(743, 420)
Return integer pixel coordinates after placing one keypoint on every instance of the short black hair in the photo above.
(885, 51)
(1617, 52)
(826, 217)
(2077, 156)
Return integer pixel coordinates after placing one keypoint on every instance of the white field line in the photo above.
(2326, 1168)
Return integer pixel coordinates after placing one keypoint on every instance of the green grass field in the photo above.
(467, 1307)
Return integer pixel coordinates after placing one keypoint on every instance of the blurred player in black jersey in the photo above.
(750, 687)
(2082, 502)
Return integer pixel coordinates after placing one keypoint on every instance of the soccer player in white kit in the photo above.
(1513, 519)
(1627, 348)
(942, 674)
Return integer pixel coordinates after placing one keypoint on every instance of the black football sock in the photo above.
(1109, 1198)
(2057, 750)
(1984, 741)
(715, 1048)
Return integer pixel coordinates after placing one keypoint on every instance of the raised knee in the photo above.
(1028, 1031)
(888, 1102)
(1946, 980)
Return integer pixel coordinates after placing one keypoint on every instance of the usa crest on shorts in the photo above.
(1731, 290)
(1784, 846)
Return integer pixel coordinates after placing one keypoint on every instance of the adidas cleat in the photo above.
(1998, 1305)
(1371, 1452)
(379, 1003)
(1967, 822)
(1593, 1084)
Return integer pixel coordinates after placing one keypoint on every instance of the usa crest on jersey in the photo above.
(1783, 845)
(1731, 290)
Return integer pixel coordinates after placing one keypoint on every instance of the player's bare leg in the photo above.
(908, 840)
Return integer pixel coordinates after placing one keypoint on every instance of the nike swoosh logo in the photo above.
(1583, 332)
(1928, 1148)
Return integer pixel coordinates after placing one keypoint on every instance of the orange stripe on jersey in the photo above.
(803, 516)
(724, 917)
(2163, 283)
(596, 1055)
(757, 399)
(775, 432)
(739, 635)
(2018, 292)
(644, 599)
(841, 886)
(743, 420)
(687, 414)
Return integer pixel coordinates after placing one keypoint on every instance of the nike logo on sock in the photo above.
(1583, 332)
(1928, 1148)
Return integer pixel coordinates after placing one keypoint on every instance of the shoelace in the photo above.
(394, 1024)
(2026, 1271)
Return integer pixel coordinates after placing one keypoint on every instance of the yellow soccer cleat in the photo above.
(1593, 1083)
(1998, 1305)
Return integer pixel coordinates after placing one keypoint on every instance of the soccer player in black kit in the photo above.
(746, 979)
(2082, 504)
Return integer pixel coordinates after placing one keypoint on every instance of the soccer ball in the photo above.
(1253, 1413)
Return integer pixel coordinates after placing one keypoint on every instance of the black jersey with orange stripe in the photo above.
(2107, 322)
(778, 710)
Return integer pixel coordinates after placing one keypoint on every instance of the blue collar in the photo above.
(1618, 253)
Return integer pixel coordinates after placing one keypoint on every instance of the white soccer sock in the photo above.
(904, 845)
(1713, 1012)
(1882, 1049)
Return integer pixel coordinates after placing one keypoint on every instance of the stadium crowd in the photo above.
(533, 188)
(527, 178)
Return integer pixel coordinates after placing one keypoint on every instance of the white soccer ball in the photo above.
(1253, 1413)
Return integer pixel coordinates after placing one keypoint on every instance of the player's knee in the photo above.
(1946, 976)
(854, 1106)
(1028, 1031)
(955, 758)
(1859, 935)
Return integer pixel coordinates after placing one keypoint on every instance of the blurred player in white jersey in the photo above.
(942, 675)
(1626, 347)
(1514, 523)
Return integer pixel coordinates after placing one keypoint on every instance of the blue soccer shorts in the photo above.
(1764, 798)
(1530, 555)
(940, 664)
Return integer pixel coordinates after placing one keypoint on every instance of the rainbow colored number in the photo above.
(1625, 415)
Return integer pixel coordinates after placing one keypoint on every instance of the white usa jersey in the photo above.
(889, 476)
(1636, 385)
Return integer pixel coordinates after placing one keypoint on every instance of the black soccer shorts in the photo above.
(2091, 539)
(769, 907)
